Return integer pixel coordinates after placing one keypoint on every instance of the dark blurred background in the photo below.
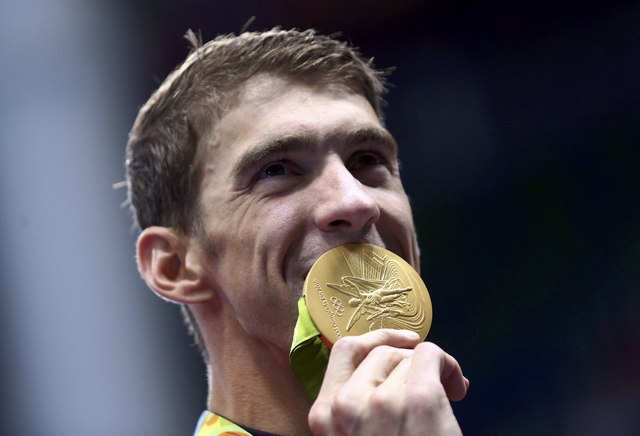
(519, 131)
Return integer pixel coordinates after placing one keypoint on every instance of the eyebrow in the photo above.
(372, 134)
(307, 140)
(270, 147)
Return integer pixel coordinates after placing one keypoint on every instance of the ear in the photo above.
(172, 264)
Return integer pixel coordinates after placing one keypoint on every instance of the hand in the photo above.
(387, 382)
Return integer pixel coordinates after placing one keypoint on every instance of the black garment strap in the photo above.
(250, 430)
(255, 432)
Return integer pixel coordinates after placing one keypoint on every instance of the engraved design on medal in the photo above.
(376, 291)
(338, 306)
(356, 288)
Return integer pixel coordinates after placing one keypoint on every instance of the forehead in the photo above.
(268, 108)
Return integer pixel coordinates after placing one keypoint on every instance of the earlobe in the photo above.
(170, 263)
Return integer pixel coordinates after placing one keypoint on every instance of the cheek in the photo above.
(232, 226)
(258, 236)
(397, 205)
(400, 228)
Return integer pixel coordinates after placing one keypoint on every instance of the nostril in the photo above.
(340, 223)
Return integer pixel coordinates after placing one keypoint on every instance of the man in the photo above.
(256, 156)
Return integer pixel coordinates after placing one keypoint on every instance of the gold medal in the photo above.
(357, 288)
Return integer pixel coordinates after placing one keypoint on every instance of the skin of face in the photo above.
(294, 169)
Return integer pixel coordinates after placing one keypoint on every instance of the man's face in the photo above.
(292, 171)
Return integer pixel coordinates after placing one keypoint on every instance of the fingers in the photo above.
(431, 364)
(363, 405)
(357, 365)
(432, 378)
(378, 365)
(348, 352)
(421, 386)
(387, 382)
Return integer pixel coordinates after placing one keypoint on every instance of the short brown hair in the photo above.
(163, 173)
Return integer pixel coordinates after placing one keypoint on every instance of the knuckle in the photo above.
(319, 419)
(383, 402)
(353, 346)
(345, 404)
(429, 347)
(426, 398)
(381, 351)
(345, 409)
(348, 344)
(388, 353)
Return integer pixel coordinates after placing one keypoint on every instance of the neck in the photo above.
(252, 383)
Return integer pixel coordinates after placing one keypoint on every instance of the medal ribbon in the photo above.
(309, 354)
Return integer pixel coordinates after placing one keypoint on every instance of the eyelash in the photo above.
(286, 164)
(353, 163)
(381, 159)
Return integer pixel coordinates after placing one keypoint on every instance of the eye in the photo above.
(372, 168)
(276, 169)
(369, 159)
(364, 159)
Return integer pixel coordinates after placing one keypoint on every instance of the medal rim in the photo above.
(315, 305)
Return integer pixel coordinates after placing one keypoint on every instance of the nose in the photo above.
(343, 202)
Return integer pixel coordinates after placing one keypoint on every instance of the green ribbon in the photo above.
(309, 355)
